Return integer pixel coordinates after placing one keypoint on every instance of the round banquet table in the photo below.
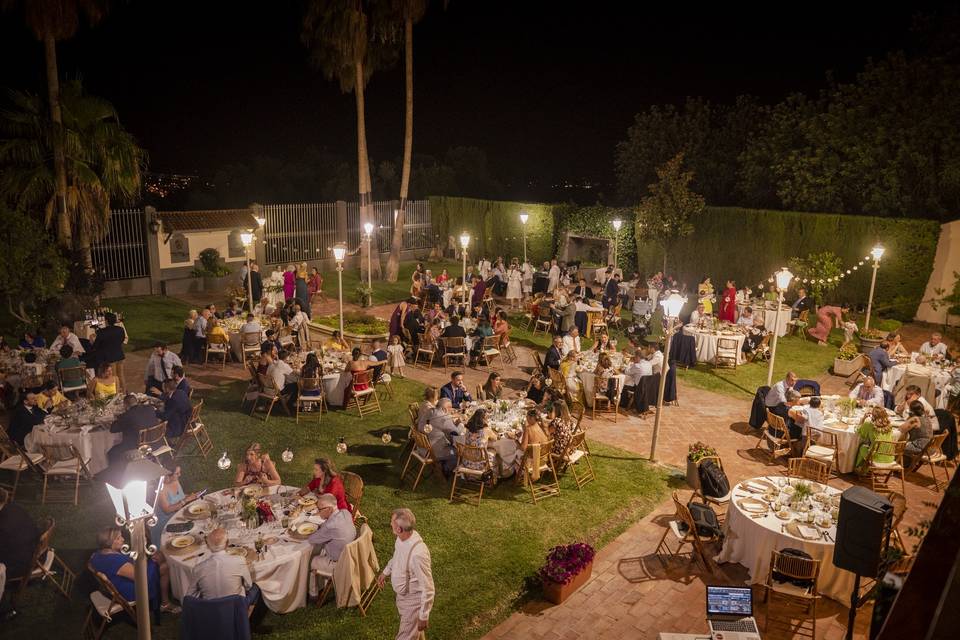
(282, 572)
(929, 379)
(92, 441)
(845, 430)
(767, 311)
(589, 380)
(707, 342)
(751, 537)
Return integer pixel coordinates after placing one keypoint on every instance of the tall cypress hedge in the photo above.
(747, 245)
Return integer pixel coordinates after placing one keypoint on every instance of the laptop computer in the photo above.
(730, 613)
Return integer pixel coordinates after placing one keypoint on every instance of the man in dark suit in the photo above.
(109, 347)
(455, 391)
(803, 303)
(554, 356)
(19, 534)
(256, 282)
(182, 383)
(129, 424)
(176, 409)
(611, 291)
(25, 418)
(454, 330)
(583, 290)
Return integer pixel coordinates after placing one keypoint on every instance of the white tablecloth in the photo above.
(848, 442)
(506, 449)
(940, 379)
(750, 541)
(588, 379)
(335, 387)
(768, 313)
(707, 342)
(92, 444)
(281, 575)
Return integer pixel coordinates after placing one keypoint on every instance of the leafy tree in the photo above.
(32, 269)
(667, 214)
(808, 273)
(102, 160)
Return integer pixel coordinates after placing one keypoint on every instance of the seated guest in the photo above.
(216, 334)
(880, 360)
(19, 534)
(918, 431)
(170, 500)
(326, 480)
(533, 433)
(808, 415)
(118, 568)
(221, 574)
(535, 388)
(337, 343)
(454, 330)
(312, 370)
(444, 426)
(67, 337)
(802, 303)
(68, 359)
(25, 418)
(754, 337)
(867, 393)
(604, 378)
(792, 399)
(568, 369)
(478, 434)
(271, 338)
(746, 318)
(267, 354)
(568, 316)
(483, 331)
(51, 398)
(655, 356)
(776, 398)
(493, 388)
(256, 468)
(32, 341)
(129, 424)
(251, 325)
(455, 390)
(554, 355)
(426, 407)
(697, 315)
(181, 379)
(638, 369)
(602, 344)
(160, 368)
(912, 394)
(282, 375)
(571, 341)
(103, 386)
(329, 540)
(264, 308)
(874, 426)
(934, 347)
(896, 349)
(176, 409)
(582, 290)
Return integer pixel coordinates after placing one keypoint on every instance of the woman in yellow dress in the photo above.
(705, 294)
(104, 385)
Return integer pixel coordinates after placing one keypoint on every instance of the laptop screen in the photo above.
(730, 601)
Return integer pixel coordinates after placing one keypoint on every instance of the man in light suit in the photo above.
(443, 428)
(568, 319)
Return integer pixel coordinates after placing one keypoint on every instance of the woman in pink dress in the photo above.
(827, 318)
(289, 282)
(728, 303)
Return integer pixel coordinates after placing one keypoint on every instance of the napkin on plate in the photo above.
(810, 533)
(755, 487)
(753, 507)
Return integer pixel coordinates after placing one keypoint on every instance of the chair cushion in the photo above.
(936, 457)
(675, 528)
(491, 352)
(363, 392)
(13, 463)
(470, 472)
(575, 456)
(161, 450)
(385, 378)
(819, 452)
(104, 605)
(790, 589)
(64, 467)
(217, 347)
(886, 466)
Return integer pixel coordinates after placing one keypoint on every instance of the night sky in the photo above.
(545, 88)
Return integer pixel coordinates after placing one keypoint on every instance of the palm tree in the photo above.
(411, 11)
(102, 161)
(50, 21)
(338, 33)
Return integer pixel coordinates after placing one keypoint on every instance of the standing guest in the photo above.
(129, 424)
(554, 355)
(827, 317)
(51, 398)
(479, 292)
(257, 468)
(553, 277)
(299, 324)
(934, 347)
(396, 318)
(301, 291)
(880, 360)
(706, 296)
(19, 534)
(176, 409)
(108, 346)
(329, 540)
(118, 568)
(315, 284)
(455, 390)
(326, 480)
(416, 286)
(867, 393)
(526, 271)
(25, 418)
(289, 282)
(256, 283)
(188, 341)
(413, 323)
(200, 335)
(170, 500)
(728, 303)
(611, 291)
(410, 575)
(776, 398)
(104, 385)
(67, 337)
(514, 285)
(394, 355)
(160, 368)
(223, 574)
(801, 304)
(32, 341)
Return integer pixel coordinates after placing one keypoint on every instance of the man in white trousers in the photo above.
(410, 576)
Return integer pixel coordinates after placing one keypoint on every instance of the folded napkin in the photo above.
(753, 507)
(810, 533)
(755, 487)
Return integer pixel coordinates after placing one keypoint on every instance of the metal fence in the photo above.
(122, 253)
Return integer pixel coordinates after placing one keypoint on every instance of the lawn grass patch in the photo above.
(150, 319)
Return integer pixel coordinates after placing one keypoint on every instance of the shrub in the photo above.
(210, 265)
(354, 322)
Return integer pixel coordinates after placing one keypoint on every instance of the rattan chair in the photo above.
(64, 462)
(790, 570)
(683, 531)
(362, 393)
(809, 469)
(882, 472)
(318, 402)
(577, 456)
(540, 460)
(423, 454)
(468, 475)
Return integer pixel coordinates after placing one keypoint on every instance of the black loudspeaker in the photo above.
(862, 530)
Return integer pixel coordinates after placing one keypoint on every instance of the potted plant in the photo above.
(695, 453)
(843, 362)
(871, 339)
(567, 568)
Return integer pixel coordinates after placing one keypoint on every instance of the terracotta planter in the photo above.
(869, 344)
(844, 367)
(557, 593)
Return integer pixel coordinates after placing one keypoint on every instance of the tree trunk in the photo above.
(396, 245)
(64, 232)
(664, 259)
(363, 178)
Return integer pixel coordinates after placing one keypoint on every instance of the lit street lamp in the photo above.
(368, 228)
(339, 253)
(247, 239)
(135, 508)
(783, 278)
(523, 220)
(464, 243)
(877, 253)
(617, 223)
(672, 304)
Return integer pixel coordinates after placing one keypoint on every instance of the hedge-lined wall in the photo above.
(596, 221)
(749, 245)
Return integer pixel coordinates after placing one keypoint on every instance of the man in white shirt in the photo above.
(411, 576)
(222, 575)
(160, 368)
(69, 338)
(934, 347)
(746, 318)
(282, 375)
(336, 532)
(911, 393)
(639, 368)
(776, 398)
(807, 415)
(696, 315)
(867, 393)
(656, 359)
(251, 325)
(571, 342)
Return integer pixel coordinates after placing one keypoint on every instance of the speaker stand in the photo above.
(854, 603)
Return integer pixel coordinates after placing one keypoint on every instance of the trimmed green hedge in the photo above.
(596, 221)
(750, 244)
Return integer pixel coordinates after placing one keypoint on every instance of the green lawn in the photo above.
(385, 292)
(150, 318)
(482, 557)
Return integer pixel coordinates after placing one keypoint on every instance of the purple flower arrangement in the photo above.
(564, 562)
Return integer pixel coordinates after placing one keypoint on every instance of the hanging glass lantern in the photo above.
(287, 455)
(341, 445)
(224, 462)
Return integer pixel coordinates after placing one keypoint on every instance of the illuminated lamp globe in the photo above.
(672, 304)
(523, 218)
(877, 252)
(339, 252)
(224, 462)
(464, 240)
(783, 278)
(287, 455)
